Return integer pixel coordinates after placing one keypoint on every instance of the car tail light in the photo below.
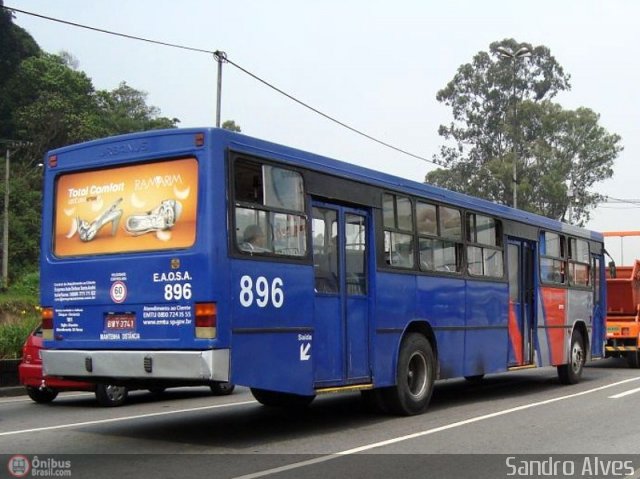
(206, 320)
(47, 323)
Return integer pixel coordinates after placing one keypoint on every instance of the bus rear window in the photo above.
(142, 207)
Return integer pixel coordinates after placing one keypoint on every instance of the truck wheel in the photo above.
(109, 395)
(415, 375)
(572, 372)
(222, 388)
(633, 359)
(42, 396)
(282, 400)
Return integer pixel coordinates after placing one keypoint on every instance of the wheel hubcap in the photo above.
(115, 393)
(417, 375)
(577, 357)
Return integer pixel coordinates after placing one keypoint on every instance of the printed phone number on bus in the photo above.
(167, 312)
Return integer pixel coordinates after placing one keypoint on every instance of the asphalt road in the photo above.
(519, 422)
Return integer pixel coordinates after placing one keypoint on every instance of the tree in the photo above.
(125, 110)
(231, 125)
(52, 104)
(15, 45)
(503, 113)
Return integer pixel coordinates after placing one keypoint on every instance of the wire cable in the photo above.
(221, 56)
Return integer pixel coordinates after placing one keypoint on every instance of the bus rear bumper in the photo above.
(209, 365)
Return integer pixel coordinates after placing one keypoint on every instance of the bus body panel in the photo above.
(441, 301)
(270, 332)
(273, 330)
(486, 337)
(155, 291)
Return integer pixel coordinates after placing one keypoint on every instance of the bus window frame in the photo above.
(474, 243)
(562, 259)
(571, 263)
(233, 247)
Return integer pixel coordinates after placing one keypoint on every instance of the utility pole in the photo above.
(5, 223)
(220, 57)
(514, 56)
(5, 214)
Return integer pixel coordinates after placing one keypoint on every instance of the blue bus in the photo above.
(203, 256)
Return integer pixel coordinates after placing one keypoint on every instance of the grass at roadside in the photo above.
(19, 315)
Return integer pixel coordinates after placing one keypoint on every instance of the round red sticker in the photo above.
(118, 292)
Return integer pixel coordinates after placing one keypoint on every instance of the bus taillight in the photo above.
(47, 323)
(206, 320)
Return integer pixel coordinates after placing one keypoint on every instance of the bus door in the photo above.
(341, 246)
(520, 264)
(599, 319)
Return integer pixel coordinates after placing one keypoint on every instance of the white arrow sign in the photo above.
(304, 351)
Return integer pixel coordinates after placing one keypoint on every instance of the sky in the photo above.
(374, 65)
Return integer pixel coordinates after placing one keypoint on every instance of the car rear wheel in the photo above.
(42, 395)
(222, 388)
(109, 395)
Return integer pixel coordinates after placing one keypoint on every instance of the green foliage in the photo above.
(125, 110)
(26, 286)
(14, 332)
(19, 315)
(231, 125)
(15, 45)
(503, 113)
(48, 103)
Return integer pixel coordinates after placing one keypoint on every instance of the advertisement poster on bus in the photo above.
(142, 207)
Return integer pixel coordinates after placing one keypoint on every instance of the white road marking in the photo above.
(626, 393)
(62, 396)
(426, 432)
(126, 418)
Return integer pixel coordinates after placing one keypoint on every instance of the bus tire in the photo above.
(281, 400)
(109, 395)
(572, 372)
(222, 388)
(415, 374)
(42, 395)
(633, 359)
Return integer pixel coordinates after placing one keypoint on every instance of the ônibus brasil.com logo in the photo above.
(19, 465)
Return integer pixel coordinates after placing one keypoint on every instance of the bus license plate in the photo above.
(120, 321)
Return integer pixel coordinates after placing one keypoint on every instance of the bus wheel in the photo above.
(109, 395)
(414, 377)
(278, 399)
(571, 373)
(222, 388)
(633, 359)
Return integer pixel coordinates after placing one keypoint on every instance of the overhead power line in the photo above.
(242, 69)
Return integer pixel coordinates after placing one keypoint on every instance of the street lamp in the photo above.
(514, 57)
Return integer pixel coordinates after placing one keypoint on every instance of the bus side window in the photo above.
(269, 210)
